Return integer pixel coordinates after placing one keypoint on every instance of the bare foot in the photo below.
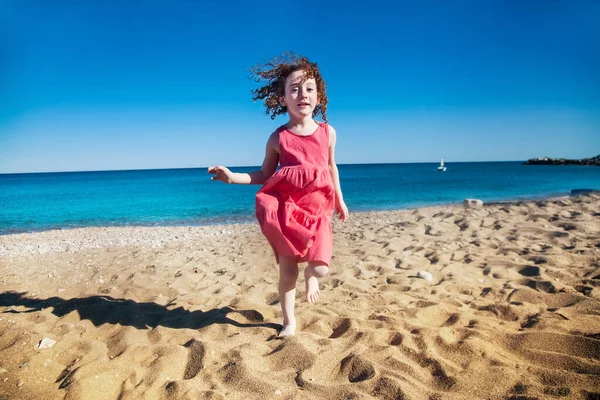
(287, 330)
(312, 286)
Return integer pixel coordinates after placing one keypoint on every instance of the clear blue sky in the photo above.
(95, 85)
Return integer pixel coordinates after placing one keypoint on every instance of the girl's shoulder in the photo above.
(331, 133)
(273, 141)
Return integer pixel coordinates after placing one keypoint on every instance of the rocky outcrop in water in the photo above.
(563, 161)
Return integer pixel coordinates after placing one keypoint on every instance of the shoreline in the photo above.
(78, 239)
(252, 219)
(93, 237)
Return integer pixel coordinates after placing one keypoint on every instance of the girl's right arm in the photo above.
(259, 176)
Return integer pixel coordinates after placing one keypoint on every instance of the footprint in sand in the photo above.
(502, 311)
(568, 227)
(431, 231)
(424, 303)
(433, 257)
(396, 339)
(518, 389)
(540, 286)
(441, 379)
(452, 320)
(356, 368)
(524, 251)
(531, 270)
(585, 290)
(336, 282)
(66, 376)
(342, 328)
(530, 321)
(154, 335)
(399, 264)
(388, 388)
(195, 360)
(538, 260)
(395, 280)
(291, 354)
(462, 223)
(272, 299)
(119, 342)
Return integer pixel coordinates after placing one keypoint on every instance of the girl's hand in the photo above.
(222, 174)
(342, 210)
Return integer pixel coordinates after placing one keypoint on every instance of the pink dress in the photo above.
(295, 205)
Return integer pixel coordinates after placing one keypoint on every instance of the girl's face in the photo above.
(300, 98)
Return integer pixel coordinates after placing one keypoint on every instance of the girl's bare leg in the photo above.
(288, 274)
(312, 273)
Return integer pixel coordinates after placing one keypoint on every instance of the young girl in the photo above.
(296, 203)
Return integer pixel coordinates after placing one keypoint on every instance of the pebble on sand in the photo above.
(46, 343)
(425, 275)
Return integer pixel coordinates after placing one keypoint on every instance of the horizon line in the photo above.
(242, 166)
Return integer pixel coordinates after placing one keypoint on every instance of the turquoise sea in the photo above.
(40, 201)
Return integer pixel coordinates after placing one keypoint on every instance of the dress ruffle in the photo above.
(293, 208)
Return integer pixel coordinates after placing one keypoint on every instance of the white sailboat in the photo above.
(441, 168)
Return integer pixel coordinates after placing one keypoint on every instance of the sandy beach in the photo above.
(512, 310)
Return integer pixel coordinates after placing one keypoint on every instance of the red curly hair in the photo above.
(275, 73)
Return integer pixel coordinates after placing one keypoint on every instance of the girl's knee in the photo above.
(319, 270)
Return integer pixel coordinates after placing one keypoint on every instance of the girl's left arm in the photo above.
(340, 205)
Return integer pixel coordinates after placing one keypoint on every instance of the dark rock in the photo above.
(563, 161)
